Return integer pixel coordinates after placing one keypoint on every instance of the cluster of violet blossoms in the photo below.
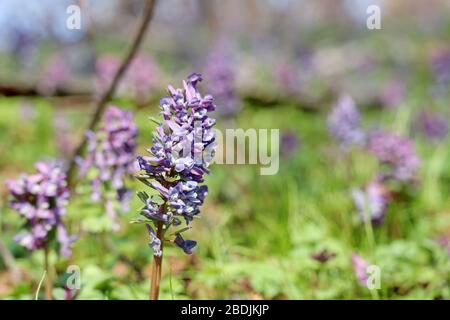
(401, 162)
(55, 76)
(289, 143)
(183, 147)
(344, 122)
(42, 198)
(372, 202)
(221, 75)
(139, 80)
(360, 268)
(110, 160)
(397, 154)
(285, 74)
(440, 65)
(433, 126)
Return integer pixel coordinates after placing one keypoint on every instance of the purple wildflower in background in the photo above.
(360, 268)
(289, 143)
(444, 242)
(393, 93)
(183, 147)
(222, 82)
(397, 153)
(287, 78)
(111, 159)
(139, 79)
(440, 65)
(55, 76)
(105, 68)
(344, 122)
(41, 198)
(372, 202)
(433, 126)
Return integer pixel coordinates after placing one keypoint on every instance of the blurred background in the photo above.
(270, 64)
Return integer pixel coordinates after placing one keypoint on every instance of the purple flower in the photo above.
(155, 242)
(139, 79)
(396, 153)
(110, 160)
(289, 143)
(433, 126)
(287, 78)
(344, 122)
(440, 65)
(105, 67)
(222, 84)
(444, 242)
(183, 147)
(55, 76)
(41, 198)
(186, 245)
(393, 93)
(360, 268)
(372, 202)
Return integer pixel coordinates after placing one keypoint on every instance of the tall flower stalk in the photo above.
(344, 123)
(183, 147)
(397, 154)
(41, 198)
(110, 160)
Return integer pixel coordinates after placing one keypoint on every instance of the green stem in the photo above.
(157, 266)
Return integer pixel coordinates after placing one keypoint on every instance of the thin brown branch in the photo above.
(109, 94)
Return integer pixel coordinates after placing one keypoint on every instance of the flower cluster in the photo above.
(360, 268)
(344, 122)
(440, 65)
(393, 93)
(55, 75)
(139, 79)
(432, 126)
(397, 153)
(372, 202)
(41, 198)
(105, 68)
(289, 143)
(183, 147)
(111, 159)
(221, 75)
(285, 74)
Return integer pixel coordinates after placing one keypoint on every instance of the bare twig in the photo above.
(108, 95)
